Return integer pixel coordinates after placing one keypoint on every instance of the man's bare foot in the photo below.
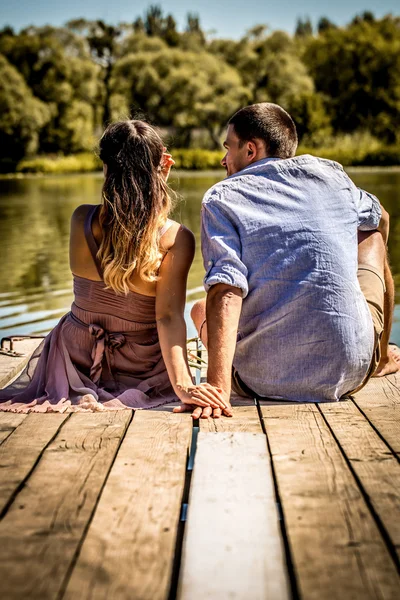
(389, 364)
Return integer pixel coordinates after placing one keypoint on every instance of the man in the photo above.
(290, 245)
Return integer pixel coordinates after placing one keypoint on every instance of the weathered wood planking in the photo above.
(11, 366)
(233, 546)
(41, 531)
(129, 550)
(380, 402)
(337, 549)
(20, 452)
(245, 418)
(374, 464)
(9, 423)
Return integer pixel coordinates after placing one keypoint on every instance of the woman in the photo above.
(123, 345)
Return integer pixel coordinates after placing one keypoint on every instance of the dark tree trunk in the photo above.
(107, 111)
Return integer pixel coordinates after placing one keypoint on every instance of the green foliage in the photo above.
(355, 149)
(309, 114)
(103, 42)
(359, 149)
(79, 163)
(304, 28)
(163, 86)
(22, 116)
(197, 159)
(324, 24)
(57, 67)
(358, 68)
(270, 65)
(60, 86)
(85, 162)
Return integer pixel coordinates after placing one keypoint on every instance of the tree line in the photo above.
(59, 86)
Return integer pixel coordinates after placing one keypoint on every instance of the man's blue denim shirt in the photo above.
(285, 233)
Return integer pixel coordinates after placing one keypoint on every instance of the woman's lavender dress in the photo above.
(103, 355)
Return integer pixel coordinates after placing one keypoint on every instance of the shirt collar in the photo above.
(255, 165)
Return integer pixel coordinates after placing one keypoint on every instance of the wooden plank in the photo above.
(20, 452)
(41, 531)
(129, 549)
(380, 402)
(245, 411)
(336, 547)
(245, 418)
(233, 546)
(11, 366)
(8, 423)
(376, 467)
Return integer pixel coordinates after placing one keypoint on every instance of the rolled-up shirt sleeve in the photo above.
(221, 248)
(369, 210)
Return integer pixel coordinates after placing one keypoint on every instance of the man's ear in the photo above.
(251, 150)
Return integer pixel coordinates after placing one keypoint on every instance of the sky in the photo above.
(221, 18)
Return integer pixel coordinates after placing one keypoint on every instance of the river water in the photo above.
(35, 281)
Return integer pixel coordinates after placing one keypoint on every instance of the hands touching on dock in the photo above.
(205, 401)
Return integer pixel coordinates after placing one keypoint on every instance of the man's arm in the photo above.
(224, 304)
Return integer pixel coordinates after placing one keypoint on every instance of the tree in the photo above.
(324, 24)
(358, 68)
(156, 25)
(193, 35)
(170, 89)
(103, 41)
(22, 116)
(310, 116)
(366, 16)
(58, 69)
(270, 66)
(140, 42)
(303, 28)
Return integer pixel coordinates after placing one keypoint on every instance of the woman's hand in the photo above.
(207, 400)
(166, 163)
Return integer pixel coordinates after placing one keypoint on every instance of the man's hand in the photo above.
(207, 399)
(205, 412)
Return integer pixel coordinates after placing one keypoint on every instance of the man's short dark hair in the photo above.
(270, 123)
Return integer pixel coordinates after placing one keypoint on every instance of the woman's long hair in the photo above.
(136, 203)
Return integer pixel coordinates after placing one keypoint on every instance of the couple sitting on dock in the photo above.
(299, 291)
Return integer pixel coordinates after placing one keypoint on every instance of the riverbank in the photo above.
(205, 160)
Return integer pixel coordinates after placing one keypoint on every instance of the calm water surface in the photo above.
(35, 282)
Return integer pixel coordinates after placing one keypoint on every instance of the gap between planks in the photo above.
(379, 402)
(375, 467)
(335, 544)
(9, 423)
(129, 548)
(21, 451)
(232, 545)
(44, 525)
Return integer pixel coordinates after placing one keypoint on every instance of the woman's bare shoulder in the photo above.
(178, 236)
(80, 212)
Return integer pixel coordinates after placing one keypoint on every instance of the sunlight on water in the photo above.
(35, 281)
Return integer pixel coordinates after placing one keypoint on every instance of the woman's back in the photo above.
(90, 292)
(130, 267)
(85, 239)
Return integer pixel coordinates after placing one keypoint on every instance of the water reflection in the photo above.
(35, 288)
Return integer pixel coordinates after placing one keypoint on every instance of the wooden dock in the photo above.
(282, 501)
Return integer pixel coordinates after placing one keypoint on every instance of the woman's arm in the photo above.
(170, 306)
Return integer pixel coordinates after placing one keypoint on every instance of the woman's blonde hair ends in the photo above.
(136, 203)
